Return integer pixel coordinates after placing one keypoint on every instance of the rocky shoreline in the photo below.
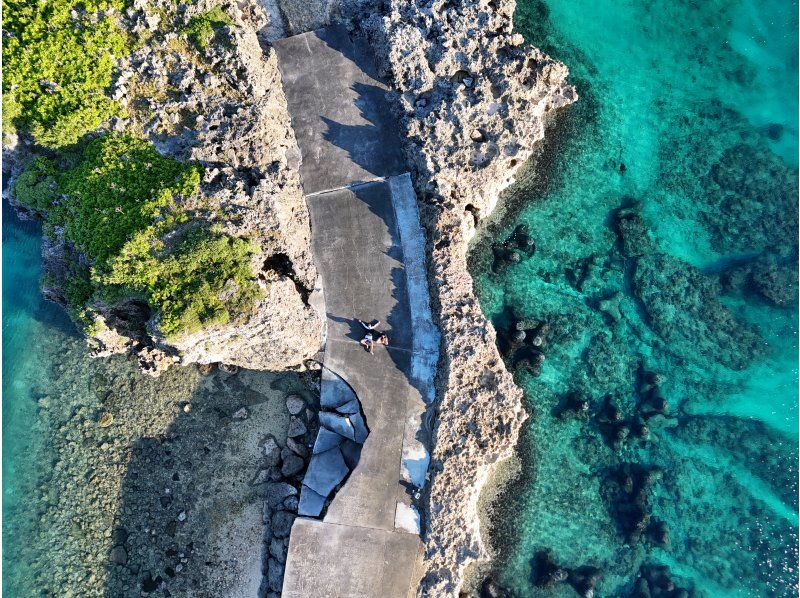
(473, 102)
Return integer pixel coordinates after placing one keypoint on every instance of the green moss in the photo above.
(58, 59)
(121, 206)
(201, 28)
(119, 188)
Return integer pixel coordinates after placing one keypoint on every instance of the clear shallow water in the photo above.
(698, 101)
(28, 323)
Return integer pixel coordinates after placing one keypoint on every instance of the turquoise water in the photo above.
(688, 118)
(29, 325)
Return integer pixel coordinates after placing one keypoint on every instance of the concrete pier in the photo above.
(369, 249)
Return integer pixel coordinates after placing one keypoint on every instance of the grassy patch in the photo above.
(58, 59)
(121, 206)
(201, 28)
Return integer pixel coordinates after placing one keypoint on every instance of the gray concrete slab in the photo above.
(338, 108)
(325, 471)
(349, 562)
(356, 247)
(369, 250)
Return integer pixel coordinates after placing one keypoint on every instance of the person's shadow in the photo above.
(356, 331)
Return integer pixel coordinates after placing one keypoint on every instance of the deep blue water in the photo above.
(688, 120)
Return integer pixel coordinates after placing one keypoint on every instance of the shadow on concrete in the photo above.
(189, 520)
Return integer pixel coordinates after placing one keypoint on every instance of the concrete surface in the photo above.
(348, 562)
(339, 114)
(369, 250)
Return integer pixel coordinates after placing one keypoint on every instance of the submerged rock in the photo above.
(683, 307)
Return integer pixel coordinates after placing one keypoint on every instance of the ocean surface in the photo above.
(664, 419)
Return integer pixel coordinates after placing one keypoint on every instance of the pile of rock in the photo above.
(278, 481)
(337, 449)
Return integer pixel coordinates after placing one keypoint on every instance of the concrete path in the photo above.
(369, 250)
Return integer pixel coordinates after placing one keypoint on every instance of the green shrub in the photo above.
(58, 59)
(36, 186)
(121, 207)
(205, 280)
(120, 187)
(202, 27)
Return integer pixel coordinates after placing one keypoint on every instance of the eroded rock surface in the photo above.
(472, 102)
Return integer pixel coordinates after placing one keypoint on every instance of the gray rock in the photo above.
(311, 503)
(276, 493)
(290, 504)
(337, 423)
(295, 404)
(296, 428)
(278, 550)
(292, 466)
(275, 575)
(282, 523)
(260, 478)
(326, 440)
(118, 555)
(325, 471)
(275, 473)
(297, 447)
(272, 452)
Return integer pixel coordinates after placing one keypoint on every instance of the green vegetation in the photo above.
(120, 187)
(58, 58)
(207, 279)
(121, 207)
(202, 27)
(36, 187)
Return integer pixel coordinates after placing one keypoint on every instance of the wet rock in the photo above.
(776, 283)
(683, 308)
(611, 305)
(491, 588)
(546, 572)
(583, 580)
(658, 534)
(633, 232)
(240, 414)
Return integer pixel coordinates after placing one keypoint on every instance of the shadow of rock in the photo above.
(196, 501)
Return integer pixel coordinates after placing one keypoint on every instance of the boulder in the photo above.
(282, 524)
(292, 465)
(295, 404)
(296, 428)
(325, 471)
